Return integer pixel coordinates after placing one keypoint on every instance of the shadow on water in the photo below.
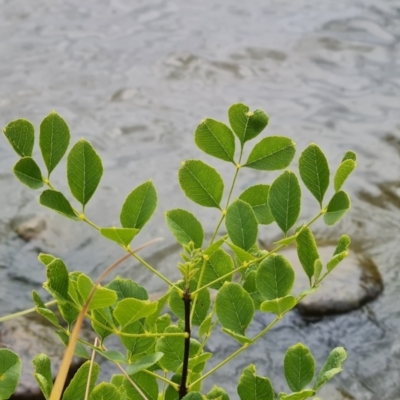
(135, 78)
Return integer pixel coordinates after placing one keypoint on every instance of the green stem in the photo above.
(154, 271)
(24, 312)
(193, 295)
(229, 197)
(92, 224)
(161, 378)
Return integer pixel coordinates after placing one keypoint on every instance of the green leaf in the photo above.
(253, 387)
(275, 277)
(245, 123)
(299, 366)
(57, 280)
(69, 312)
(241, 224)
(307, 251)
(271, 153)
(84, 171)
(202, 304)
(139, 344)
(217, 393)
(241, 254)
(234, 307)
(102, 297)
(139, 206)
(53, 140)
(343, 172)
(205, 325)
(350, 155)
(105, 391)
(201, 183)
(42, 374)
(218, 265)
(10, 372)
(215, 139)
(21, 135)
(113, 355)
(45, 259)
(127, 288)
(80, 349)
(144, 362)
(279, 306)
(332, 366)
(197, 363)
(77, 387)
(284, 200)
(317, 269)
(171, 393)
(185, 227)
(257, 197)
(337, 208)
(154, 319)
(210, 250)
(101, 320)
(336, 259)
(130, 310)
(343, 244)
(314, 171)
(240, 338)
(28, 172)
(122, 236)
(251, 288)
(172, 348)
(147, 384)
(193, 396)
(57, 202)
(304, 394)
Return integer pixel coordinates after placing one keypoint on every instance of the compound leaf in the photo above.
(271, 153)
(84, 171)
(77, 387)
(299, 366)
(139, 206)
(275, 277)
(245, 123)
(278, 306)
(122, 236)
(314, 171)
(332, 366)
(21, 135)
(201, 183)
(215, 139)
(241, 224)
(28, 172)
(219, 264)
(253, 387)
(234, 307)
(10, 372)
(337, 208)
(53, 140)
(42, 374)
(57, 202)
(284, 200)
(307, 251)
(185, 227)
(343, 172)
(257, 197)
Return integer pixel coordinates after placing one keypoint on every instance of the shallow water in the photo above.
(135, 78)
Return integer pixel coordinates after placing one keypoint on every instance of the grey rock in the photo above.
(353, 283)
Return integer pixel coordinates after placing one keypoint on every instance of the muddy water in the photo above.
(135, 78)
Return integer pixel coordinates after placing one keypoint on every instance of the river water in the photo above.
(135, 78)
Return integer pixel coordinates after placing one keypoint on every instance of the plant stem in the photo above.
(229, 197)
(24, 312)
(162, 378)
(183, 388)
(197, 290)
(154, 271)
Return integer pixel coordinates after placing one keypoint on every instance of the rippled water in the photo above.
(135, 78)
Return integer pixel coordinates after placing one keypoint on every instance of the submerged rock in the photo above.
(30, 229)
(353, 283)
(28, 336)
